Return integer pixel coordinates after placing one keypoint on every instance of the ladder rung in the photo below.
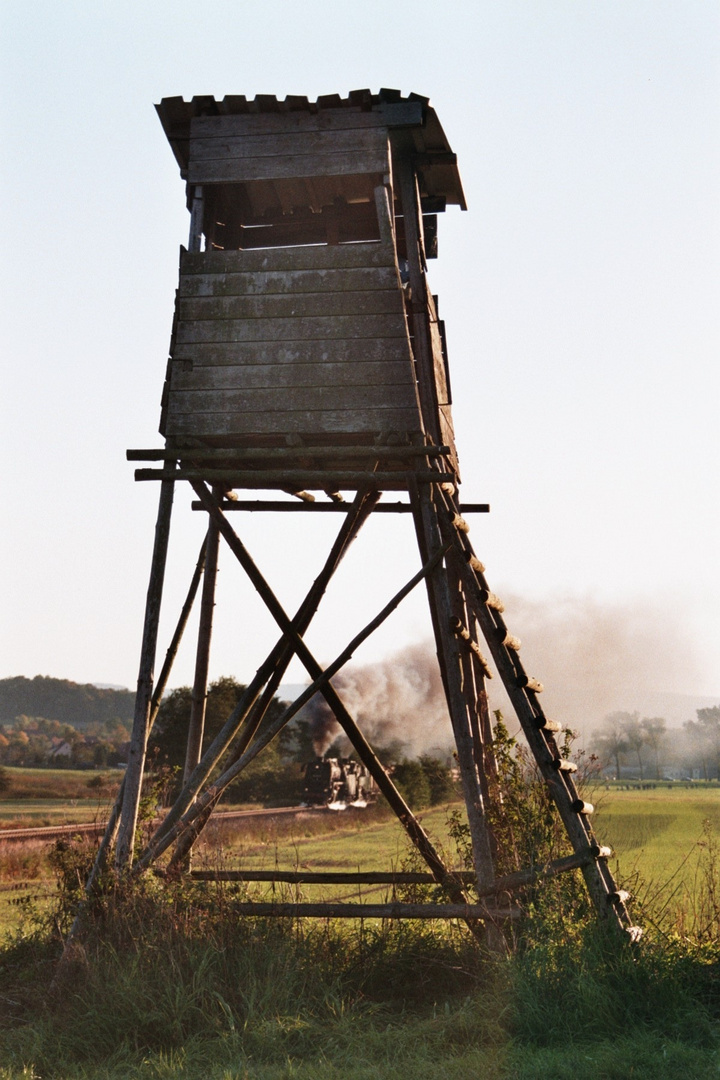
(634, 933)
(476, 565)
(563, 765)
(460, 523)
(620, 896)
(581, 807)
(550, 727)
(600, 852)
(535, 685)
(509, 641)
(492, 601)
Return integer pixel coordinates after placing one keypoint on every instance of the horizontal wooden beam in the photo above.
(276, 506)
(223, 427)
(324, 257)
(519, 879)
(374, 911)
(301, 478)
(284, 453)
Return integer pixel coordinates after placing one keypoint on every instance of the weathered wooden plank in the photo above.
(409, 113)
(259, 376)
(339, 327)
(298, 305)
(274, 506)
(317, 257)
(282, 144)
(327, 422)
(259, 353)
(441, 386)
(517, 880)
(295, 399)
(297, 479)
(243, 170)
(252, 283)
(293, 454)
(372, 911)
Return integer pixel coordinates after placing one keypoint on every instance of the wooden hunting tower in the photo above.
(307, 356)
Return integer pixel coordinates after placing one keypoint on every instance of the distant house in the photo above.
(60, 748)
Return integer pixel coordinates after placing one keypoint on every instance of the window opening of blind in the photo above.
(291, 213)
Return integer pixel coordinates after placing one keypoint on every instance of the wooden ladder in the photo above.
(462, 603)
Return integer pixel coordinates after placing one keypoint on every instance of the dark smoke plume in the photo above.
(399, 701)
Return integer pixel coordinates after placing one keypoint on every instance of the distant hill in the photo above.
(79, 704)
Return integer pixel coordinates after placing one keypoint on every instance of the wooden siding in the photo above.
(244, 377)
(279, 353)
(219, 427)
(358, 279)
(318, 257)
(293, 155)
(282, 342)
(245, 124)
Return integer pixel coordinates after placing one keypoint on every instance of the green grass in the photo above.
(33, 813)
(657, 834)
(170, 983)
(58, 785)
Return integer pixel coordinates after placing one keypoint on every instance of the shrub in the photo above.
(413, 783)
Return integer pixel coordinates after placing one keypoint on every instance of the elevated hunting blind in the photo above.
(307, 358)
(295, 318)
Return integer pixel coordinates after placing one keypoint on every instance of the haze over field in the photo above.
(579, 292)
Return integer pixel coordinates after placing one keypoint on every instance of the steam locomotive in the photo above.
(337, 783)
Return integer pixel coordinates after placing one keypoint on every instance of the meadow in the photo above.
(168, 982)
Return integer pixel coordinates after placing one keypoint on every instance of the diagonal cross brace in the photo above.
(415, 831)
(271, 669)
(212, 794)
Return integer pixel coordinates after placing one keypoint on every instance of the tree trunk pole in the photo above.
(196, 726)
(143, 699)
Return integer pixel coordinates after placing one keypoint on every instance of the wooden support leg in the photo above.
(143, 699)
(442, 603)
(112, 826)
(196, 727)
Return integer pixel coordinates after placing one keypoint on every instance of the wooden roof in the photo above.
(436, 163)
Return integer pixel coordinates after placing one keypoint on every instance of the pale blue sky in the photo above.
(580, 292)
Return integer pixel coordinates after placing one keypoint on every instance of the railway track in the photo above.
(96, 828)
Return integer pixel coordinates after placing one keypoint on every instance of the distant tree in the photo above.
(295, 740)
(411, 779)
(5, 781)
(169, 735)
(654, 730)
(697, 740)
(611, 740)
(635, 736)
(709, 724)
(439, 778)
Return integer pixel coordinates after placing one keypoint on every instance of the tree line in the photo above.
(78, 704)
(645, 745)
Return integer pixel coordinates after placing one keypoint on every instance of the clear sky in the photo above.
(580, 293)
